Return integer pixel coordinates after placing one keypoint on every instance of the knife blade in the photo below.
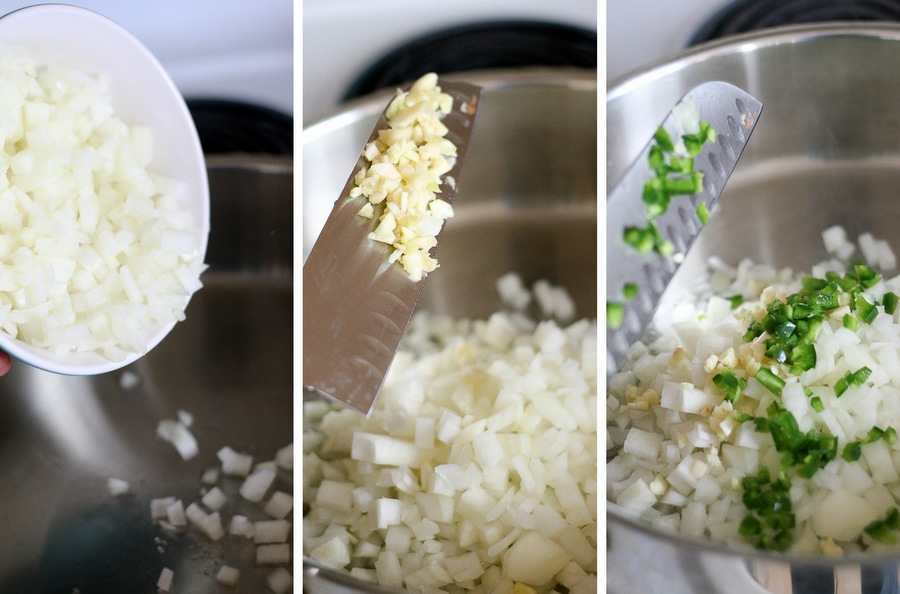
(733, 114)
(356, 305)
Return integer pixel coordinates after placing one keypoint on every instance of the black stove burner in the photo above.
(235, 127)
(501, 44)
(752, 15)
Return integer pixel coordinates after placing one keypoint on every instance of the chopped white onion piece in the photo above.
(175, 514)
(159, 507)
(240, 526)
(210, 476)
(228, 576)
(273, 554)
(234, 463)
(214, 499)
(185, 418)
(117, 486)
(179, 436)
(285, 457)
(271, 531)
(195, 514)
(279, 505)
(211, 525)
(279, 580)
(129, 380)
(164, 582)
(257, 483)
(512, 291)
(534, 559)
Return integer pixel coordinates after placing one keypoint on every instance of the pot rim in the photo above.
(748, 42)
(373, 104)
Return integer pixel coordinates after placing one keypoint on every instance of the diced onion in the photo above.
(273, 554)
(179, 436)
(683, 456)
(117, 486)
(234, 463)
(129, 380)
(175, 514)
(284, 457)
(279, 580)
(210, 476)
(279, 505)
(159, 507)
(241, 526)
(97, 254)
(271, 536)
(257, 483)
(478, 463)
(164, 582)
(270, 531)
(214, 499)
(228, 576)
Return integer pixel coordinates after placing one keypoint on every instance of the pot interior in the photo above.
(527, 203)
(823, 153)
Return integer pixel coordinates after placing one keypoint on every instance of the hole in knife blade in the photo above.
(716, 166)
(363, 368)
(374, 349)
(397, 302)
(653, 278)
(726, 142)
(684, 216)
(733, 127)
(632, 322)
(387, 324)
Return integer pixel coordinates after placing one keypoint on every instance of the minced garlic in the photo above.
(403, 176)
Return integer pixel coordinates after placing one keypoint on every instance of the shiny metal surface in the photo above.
(825, 152)
(356, 306)
(733, 114)
(528, 203)
(532, 160)
(229, 364)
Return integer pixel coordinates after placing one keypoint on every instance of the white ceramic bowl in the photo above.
(142, 93)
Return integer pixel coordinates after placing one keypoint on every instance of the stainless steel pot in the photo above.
(824, 152)
(527, 202)
(228, 364)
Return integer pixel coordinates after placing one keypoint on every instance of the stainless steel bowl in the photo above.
(527, 202)
(825, 152)
(228, 364)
